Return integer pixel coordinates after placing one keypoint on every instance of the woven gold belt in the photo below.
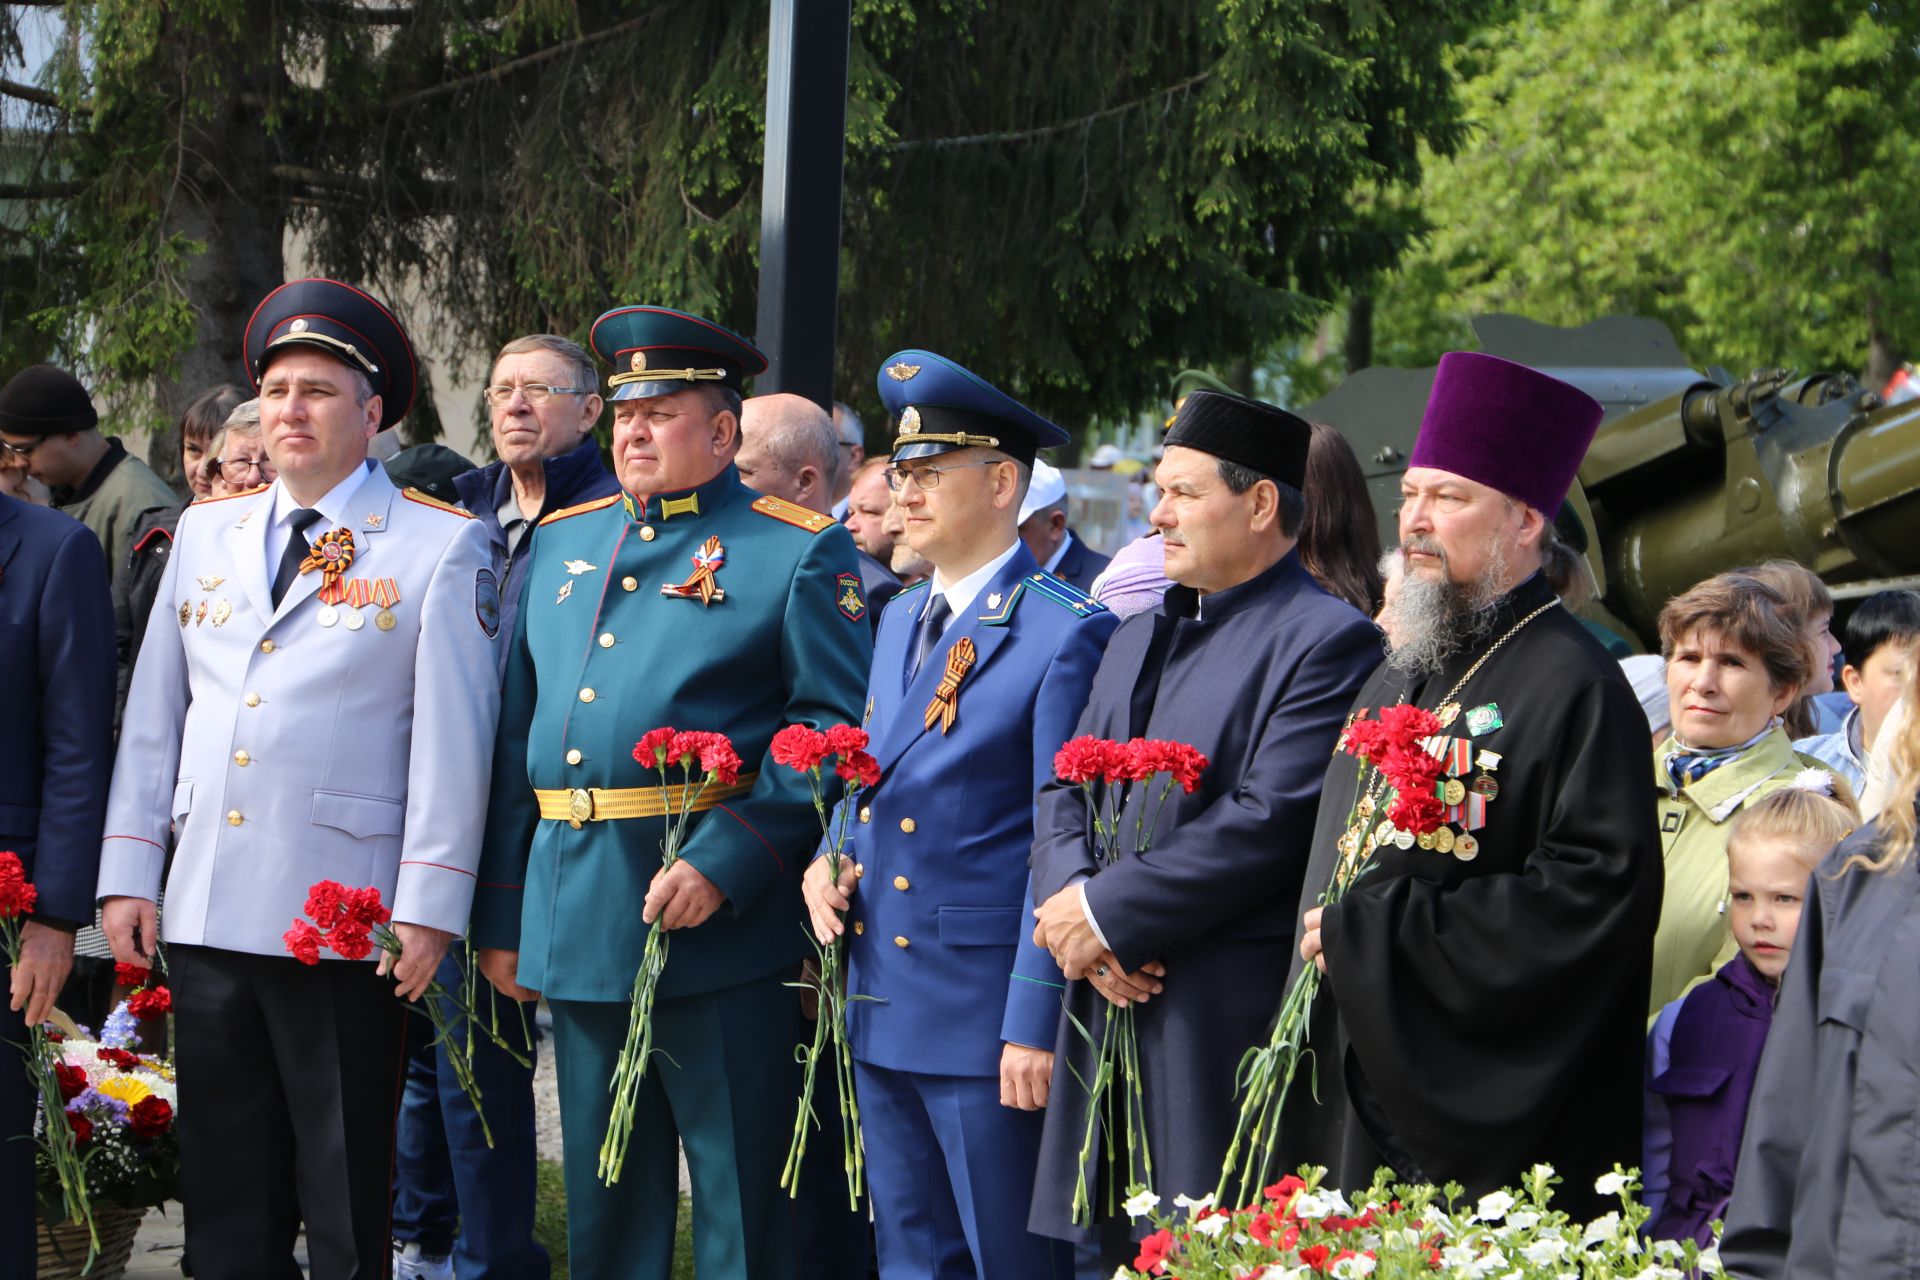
(579, 805)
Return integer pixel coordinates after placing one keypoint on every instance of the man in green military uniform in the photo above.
(617, 637)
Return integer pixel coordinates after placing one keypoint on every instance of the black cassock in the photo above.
(1482, 1016)
(1261, 681)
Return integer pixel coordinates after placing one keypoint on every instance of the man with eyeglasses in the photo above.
(461, 1207)
(978, 678)
(685, 601)
(852, 436)
(48, 422)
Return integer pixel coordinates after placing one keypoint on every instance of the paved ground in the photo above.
(156, 1253)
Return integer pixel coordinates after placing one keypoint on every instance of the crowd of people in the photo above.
(1629, 912)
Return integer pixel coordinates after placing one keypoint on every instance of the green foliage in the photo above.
(1076, 198)
(1742, 169)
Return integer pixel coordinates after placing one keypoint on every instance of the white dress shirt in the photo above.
(334, 508)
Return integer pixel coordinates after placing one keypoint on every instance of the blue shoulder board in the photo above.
(1047, 587)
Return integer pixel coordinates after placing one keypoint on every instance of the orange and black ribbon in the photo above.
(332, 555)
(945, 706)
(701, 585)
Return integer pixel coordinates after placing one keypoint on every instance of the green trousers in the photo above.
(723, 1082)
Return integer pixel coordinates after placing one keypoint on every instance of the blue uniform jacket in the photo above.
(942, 920)
(56, 756)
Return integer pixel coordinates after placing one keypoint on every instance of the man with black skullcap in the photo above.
(315, 700)
(48, 422)
(1250, 661)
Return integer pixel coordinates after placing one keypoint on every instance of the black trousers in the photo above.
(290, 1080)
(17, 1246)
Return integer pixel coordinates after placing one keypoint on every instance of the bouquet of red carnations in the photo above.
(702, 759)
(1396, 778)
(352, 923)
(1107, 773)
(808, 750)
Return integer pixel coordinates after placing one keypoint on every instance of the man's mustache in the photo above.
(1425, 546)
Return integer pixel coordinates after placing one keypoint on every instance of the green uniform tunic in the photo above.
(600, 656)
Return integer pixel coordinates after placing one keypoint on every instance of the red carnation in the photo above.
(1410, 768)
(1083, 760)
(303, 942)
(150, 1117)
(798, 747)
(1154, 1251)
(845, 739)
(1406, 723)
(859, 768)
(82, 1129)
(1150, 756)
(718, 758)
(119, 1058)
(1366, 739)
(16, 893)
(651, 750)
(132, 975)
(325, 901)
(364, 907)
(73, 1081)
(150, 1002)
(351, 940)
(1417, 811)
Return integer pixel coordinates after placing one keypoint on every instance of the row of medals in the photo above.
(329, 615)
(1442, 839)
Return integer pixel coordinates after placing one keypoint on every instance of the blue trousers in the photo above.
(452, 1193)
(951, 1173)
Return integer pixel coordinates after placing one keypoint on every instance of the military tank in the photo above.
(1691, 472)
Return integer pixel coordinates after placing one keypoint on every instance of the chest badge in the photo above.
(993, 600)
(701, 584)
(566, 589)
(578, 567)
(208, 582)
(1484, 719)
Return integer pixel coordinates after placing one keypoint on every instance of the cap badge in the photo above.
(900, 370)
(639, 361)
(298, 326)
(909, 420)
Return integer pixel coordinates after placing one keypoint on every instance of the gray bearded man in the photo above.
(1486, 983)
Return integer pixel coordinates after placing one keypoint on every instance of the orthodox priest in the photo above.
(1485, 998)
(1249, 660)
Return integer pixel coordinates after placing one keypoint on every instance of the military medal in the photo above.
(200, 614)
(1443, 839)
(1425, 841)
(1484, 719)
(1466, 848)
(1453, 791)
(327, 616)
(186, 612)
(353, 597)
(945, 707)
(386, 594)
(1364, 809)
(1447, 713)
(221, 612)
(701, 584)
(1403, 840)
(353, 618)
(1485, 785)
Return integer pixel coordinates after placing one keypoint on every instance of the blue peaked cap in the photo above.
(941, 406)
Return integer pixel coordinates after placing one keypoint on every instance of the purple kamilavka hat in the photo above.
(1506, 426)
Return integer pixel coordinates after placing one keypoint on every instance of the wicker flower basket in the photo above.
(63, 1247)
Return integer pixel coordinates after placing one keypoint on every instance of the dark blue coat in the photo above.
(572, 478)
(56, 755)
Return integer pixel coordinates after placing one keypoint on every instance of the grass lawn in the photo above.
(550, 1226)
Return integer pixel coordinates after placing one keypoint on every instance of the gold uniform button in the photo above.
(266, 646)
(859, 926)
(900, 942)
(606, 639)
(629, 584)
(900, 883)
(586, 695)
(242, 759)
(646, 534)
(573, 756)
(866, 814)
(233, 818)
(253, 699)
(909, 826)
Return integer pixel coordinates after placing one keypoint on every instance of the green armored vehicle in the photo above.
(1691, 473)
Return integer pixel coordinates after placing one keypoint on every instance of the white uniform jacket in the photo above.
(282, 751)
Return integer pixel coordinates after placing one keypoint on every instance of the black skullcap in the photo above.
(1255, 435)
(44, 401)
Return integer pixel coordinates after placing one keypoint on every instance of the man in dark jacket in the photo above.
(1250, 661)
(1043, 527)
(56, 758)
(457, 1202)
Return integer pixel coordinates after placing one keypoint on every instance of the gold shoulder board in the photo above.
(595, 505)
(794, 514)
(428, 500)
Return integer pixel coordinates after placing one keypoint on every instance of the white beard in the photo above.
(1433, 618)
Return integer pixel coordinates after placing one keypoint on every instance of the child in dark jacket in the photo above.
(1706, 1045)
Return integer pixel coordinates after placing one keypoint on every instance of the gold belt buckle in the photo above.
(579, 806)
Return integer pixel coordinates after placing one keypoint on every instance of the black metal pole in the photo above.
(800, 201)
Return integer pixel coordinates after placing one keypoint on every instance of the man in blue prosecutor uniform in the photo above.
(684, 601)
(56, 646)
(978, 677)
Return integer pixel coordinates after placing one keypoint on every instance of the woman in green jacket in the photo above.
(1736, 659)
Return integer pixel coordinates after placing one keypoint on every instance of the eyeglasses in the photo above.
(535, 392)
(21, 451)
(927, 478)
(234, 470)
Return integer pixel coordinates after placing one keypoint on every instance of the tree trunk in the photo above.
(1358, 347)
(1884, 353)
(225, 198)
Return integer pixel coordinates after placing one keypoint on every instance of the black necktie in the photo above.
(296, 553)
(932, 627)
